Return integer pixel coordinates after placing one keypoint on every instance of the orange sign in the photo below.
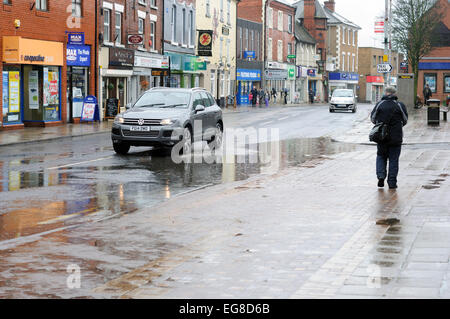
(19, 50)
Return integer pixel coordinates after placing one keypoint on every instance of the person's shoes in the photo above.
(393, 186)
(381, 182)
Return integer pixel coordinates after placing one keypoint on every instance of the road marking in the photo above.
(64, 217)
(73, 164)
(266, 123)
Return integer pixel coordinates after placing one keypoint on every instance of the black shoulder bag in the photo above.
(380, 132)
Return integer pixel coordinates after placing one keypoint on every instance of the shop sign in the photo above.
(291, 72)
(33, 90)
(205, 42)
(248, 75)
(75, 38)
(147, 62)
(311, 72)
(135, 39)
(249, 54)
(375, 79)
(175, 61)
(18, 50)
(344, 76)
(121, 58)
(404, 65)
(291, 56)
(189, 63)
(201, 66)
(14, 92)
(78, 55)
(160, 72)
(276, 74)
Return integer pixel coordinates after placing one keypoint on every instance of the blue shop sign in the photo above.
(343, 76)
(78, 55)
(249, 54)
(75, 38)
(248, 75)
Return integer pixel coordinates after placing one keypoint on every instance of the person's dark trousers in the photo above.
(385, 153)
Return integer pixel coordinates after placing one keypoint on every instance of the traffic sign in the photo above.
(384, 68)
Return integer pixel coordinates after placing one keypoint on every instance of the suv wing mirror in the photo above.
(199, 108)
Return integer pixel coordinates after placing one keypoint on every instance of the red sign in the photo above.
(135, 39)
(375, 79)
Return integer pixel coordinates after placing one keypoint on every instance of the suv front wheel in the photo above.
(121, 148)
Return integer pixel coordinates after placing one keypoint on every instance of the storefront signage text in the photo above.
(78, 55)
(121, 58)
(276, 74)
(248, 75)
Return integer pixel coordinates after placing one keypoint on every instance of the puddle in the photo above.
(124, 184)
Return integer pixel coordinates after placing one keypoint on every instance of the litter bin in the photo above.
(433, 111)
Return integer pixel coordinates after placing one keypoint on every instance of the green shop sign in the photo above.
(291, 56)
(291, 72)
(200, 66)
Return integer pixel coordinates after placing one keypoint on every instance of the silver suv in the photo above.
(164, 117)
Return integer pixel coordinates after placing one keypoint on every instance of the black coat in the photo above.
(389, 112)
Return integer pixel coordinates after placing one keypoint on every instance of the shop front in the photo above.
(116, 72)
(290, 85)
(315, 82)
(150, 70)
(301, 85)
(31, 85)
(184, 70)
(343, 80)
(374, 88)
(246, 80)
(78, 59)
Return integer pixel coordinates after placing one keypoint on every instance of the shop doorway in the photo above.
(77, 90)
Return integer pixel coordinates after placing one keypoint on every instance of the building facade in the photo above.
(371, 83)
(42, 74)
(306, 60)
(220, 74)
(434, 68)
(130, 47)
(249, 54)
(179, 43)
(342, 48)
(280, 70)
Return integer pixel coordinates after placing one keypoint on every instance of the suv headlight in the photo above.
(167, 122)
(119, 119)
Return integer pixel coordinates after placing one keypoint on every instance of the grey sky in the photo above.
(363, 13)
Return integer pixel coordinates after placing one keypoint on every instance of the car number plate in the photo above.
(140, 128)
(342, 105)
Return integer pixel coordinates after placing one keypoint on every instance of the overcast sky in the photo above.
(363, 13)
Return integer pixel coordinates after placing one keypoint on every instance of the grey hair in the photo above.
(390, 90)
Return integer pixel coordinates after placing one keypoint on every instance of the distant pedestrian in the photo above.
(274, 95)
(254, 96)
(395, 116)
(311, 96)
(427, 94)
(285, 96)
(262, 95)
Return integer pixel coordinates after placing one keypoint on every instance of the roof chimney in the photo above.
(309, 13)
(330, 5)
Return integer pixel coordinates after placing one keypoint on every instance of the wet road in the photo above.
(50, 187)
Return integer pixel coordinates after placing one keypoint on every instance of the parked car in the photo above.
(162, 117)
(343, 99)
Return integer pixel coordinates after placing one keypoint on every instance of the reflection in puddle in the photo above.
(33, 202)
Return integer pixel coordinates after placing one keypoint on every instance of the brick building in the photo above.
(250, 53)
(35, 59)
(280, 70)
(371, 82)
(130, 52)
(434, 68)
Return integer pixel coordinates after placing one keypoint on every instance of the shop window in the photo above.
(11, 94)
(447, 83)
(430, 79)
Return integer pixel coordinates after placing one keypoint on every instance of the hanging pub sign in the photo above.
(135, 39)
(205, 42)
(89, 112)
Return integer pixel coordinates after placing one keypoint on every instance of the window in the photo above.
(173, 22)
(430, 79)
(76, 8)
(208, 5)
(229, 11)
(152, 35)
(354, 35)
(348, 62)
(141, 27)
(269, 49)
(239, 44)
(118, 28)
(280, 51)
(6, 1)
(289, 23)
(257, 46)
(183, 29)
(41, 5)
(270, 18)
(280, 20)
(252, 40)
(289, 49)
(221, 48)
(246, 39)
(153, 3)
(107, 25)
(343, 35)
(343, 61)
(374, 62)
(447, 83)
(221, 10)
(191, 28)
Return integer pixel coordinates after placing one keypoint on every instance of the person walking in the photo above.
(254, 96)
(427, 94)
(393, 113)
(311, 96)
(261, 97)
(285, 96)
(274, 95)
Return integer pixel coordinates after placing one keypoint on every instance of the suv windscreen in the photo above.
(206, 100)
(164, 99)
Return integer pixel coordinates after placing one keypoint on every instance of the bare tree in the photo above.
(413, 30)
